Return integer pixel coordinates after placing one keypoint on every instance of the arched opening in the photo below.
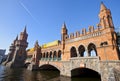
(49, 71)
(46, 56)
(50, 55)
(54, 55)
(85, 74)
(92, 50)
(48, 67)
(43, 56)
(73, 52)
(59, 55)
(81, 50)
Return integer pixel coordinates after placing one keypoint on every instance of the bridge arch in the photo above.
(49, 67)
(86, 72)
(73, 52)
(92, 51)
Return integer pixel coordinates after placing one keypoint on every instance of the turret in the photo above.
(63, 32)
(105, 17)
(37, 52)
(23, 35)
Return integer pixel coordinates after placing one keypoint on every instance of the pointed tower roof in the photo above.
(102, 7)
(36, 44)
(16, 37)
(24, 30)
(64, 25)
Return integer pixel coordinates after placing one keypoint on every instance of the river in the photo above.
(7, 74)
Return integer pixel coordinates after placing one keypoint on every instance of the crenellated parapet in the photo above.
(84, 34)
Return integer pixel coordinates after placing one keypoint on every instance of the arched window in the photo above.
(54, 55)
(59, 55)
(43, 55)
(92, 50)
(73, 52)
(81, 50)
(50, 55)
(47, 56)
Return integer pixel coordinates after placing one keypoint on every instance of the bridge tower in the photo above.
(64, 34)
(11, 52)
(35, 58)
(105, 17)
(20, 54)
(109, 41)
(36, 55)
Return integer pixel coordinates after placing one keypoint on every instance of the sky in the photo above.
(44, 18)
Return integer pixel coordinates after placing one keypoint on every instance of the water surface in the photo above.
(7, 74)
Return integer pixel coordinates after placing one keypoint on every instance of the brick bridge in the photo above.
(105, 69)
(95, 50)
(65, 67)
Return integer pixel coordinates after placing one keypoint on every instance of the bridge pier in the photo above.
(65, 69)
(32, 67)
(107, 70)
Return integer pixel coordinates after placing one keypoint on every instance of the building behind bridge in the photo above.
(101, 41)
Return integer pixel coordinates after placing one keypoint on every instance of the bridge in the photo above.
(66, 67)
(105, 70)
(95, 50)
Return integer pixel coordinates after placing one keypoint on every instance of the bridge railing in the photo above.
(83, 58)
(50, 59)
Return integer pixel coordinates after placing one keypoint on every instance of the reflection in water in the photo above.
(7, 74)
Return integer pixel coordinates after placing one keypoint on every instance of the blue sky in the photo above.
(44, 18)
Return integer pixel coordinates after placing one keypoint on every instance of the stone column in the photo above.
(87, 52)
(78, 55)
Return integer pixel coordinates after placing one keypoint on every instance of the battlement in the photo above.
(83, 32)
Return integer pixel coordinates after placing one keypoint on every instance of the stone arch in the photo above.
(73, 52)
(81, 50)
(92, 51)
(85, 72)
(47, 68)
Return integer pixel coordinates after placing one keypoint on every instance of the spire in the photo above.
(64, 25)
(25, 29)
(36, 44)
(102, 7)
(15, 40)
(16, 37)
